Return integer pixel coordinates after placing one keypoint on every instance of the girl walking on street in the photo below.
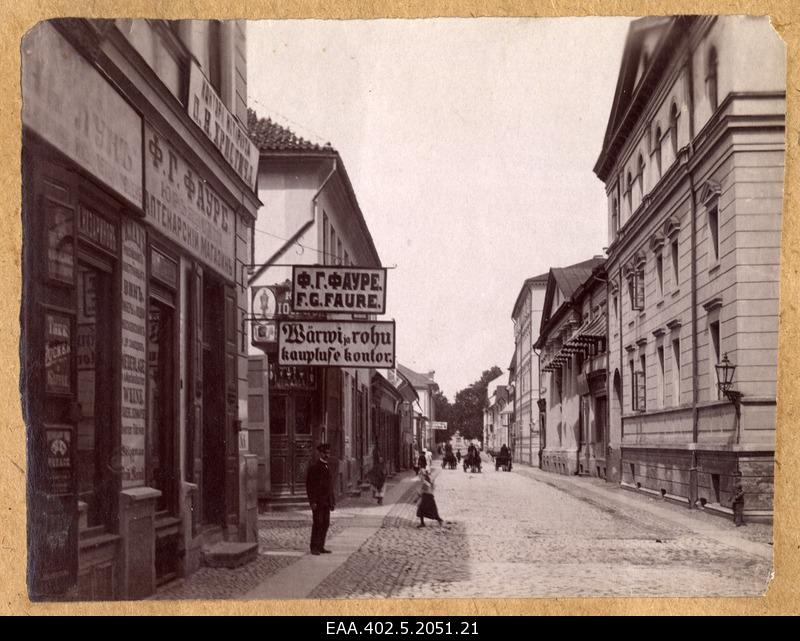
(377, 477)
(427, 504)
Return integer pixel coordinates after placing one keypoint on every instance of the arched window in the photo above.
(640, 174)
(657, 151)
(673, 128)
(629, 193)
(711, 79)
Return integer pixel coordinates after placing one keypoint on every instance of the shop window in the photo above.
(96, 457)
(161, 417)
(277, 414)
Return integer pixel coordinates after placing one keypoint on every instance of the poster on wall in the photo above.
(336, 343)
(180, 203)
(58, 353)
(60, 244)
(134, 355)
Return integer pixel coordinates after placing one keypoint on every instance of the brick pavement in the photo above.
(523, 533)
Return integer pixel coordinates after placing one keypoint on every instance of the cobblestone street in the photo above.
(523, 533)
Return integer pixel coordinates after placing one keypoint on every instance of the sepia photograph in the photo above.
(401, 309)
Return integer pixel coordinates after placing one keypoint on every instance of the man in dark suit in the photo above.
(319, 488)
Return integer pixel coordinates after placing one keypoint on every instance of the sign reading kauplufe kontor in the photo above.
(336, 343)
(349, 290)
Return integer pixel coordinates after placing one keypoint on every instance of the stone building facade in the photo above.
(693, 161)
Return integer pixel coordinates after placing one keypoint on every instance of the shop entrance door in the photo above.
(291, 418)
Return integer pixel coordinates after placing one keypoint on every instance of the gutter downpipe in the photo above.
(542, 433)
(299, 233)
(693, 485)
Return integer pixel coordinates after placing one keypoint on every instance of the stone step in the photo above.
(212, 534)
(229, 554)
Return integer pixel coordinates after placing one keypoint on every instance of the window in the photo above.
(660, 373)
(632, 372)
(614, 304)
(711, 79)
(636, 289)
(629, 193)
(614, 218)
(713, 344)
(657, 151)
(332, 247)
(676, 371)
(640, 175)
(339, 251)
(713, 229)
(214, 55)
(660, 273)
(674, 252)
(673, 128)
(642, 384)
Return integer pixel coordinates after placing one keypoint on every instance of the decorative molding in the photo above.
(658, 332)
(641, 342)
(714, 303)
(657, 242)
(630, 348)
(710, 190)
(675, 323)
(672, 226)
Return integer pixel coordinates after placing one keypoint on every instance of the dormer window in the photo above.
(711, 79)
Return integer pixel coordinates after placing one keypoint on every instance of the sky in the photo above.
(470, 145)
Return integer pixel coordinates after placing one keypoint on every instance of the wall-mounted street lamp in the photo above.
(725, 370)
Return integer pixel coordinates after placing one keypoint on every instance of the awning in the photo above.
(591, 334)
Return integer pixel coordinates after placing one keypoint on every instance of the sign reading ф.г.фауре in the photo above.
(356, 290)
(336, 343)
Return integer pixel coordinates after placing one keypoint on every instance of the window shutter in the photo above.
(641, 392)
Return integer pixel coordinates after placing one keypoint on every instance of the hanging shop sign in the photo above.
(354, 290)
(134, 355)
(182, 205)
(438, 425)
(337, 343)
(72, 107)
(222, 127)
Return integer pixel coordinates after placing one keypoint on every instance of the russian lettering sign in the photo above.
(349, 290)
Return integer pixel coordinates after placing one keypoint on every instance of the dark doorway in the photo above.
(213, 490)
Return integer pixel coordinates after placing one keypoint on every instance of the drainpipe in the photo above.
(693, 208)
(299, 233)
(542, 428)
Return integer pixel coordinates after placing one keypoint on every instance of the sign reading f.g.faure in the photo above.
(355, 290)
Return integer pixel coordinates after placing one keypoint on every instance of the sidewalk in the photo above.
(353, 522)
(753, 538)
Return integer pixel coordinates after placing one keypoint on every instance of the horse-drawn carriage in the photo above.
(502, 460)
(472, 461)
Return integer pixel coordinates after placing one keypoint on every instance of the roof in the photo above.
(268, 135)
(274, 140)
(630, 97)
(541, 279)
(416, 379)
(570, 278)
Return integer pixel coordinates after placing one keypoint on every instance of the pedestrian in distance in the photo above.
(422, 461)
(737, 503)
(426, 508)
(319, 488)
(377, 477)
(458, 455)
(428, 458)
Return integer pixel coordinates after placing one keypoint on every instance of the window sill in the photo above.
(714, 268)
(676, 292)
(660, 304)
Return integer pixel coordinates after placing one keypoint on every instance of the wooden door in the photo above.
(292, 417)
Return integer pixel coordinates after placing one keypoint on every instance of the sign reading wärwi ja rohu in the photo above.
(350, 290)
(337, 343)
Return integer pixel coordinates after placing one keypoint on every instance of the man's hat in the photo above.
(323, 446)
